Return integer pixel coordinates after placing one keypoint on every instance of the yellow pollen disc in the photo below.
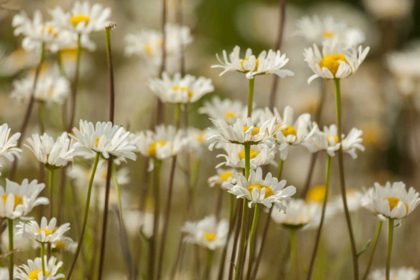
(47, 232)
(18, 200)
(335, 138)
(268, 192)
(49, 30)
(104, 175)
(48, 156)
(252, 154)
(289, 130)
(230, 115)
(328, 34)
(210, 237)
(75, 20)
(316, 194)
(393, 202)
(59, 245)
(97, 142)
(34, 274)
(247, 59)
(200, 138)
(50, 92)
(226, 176)
(332, 62)
(153, 148)
(254, 132)
(190, 94)
(148, 49)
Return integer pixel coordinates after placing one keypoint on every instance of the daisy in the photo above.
(197, 139)
(17, 60)
(33, 270)
(353, 198)
(53, 154)
(187, 89)
(299, 213)
(389, 9)
(270, 62)
(257, 189)
(260, 155)
(223, 175)
(65, 244)
(104, 138)
(403, 273)
(227, 109)
(316, 195)
(208, 232)
(8, 143)
(46, 232)
(316, 30)
(19, 199)
(337, 61)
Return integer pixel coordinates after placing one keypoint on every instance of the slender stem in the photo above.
(209, 263)
(51, 192)
(293, 245)
(389, 248)
(160, 106)
(43, 259)
(321, 222)
(117, 188)
(111, 71)
(60, 64)
(11, 248)
(250, 96)
(342, 180)
(41, 116)
(156, 218)
(236, 239)
(252, 238)
(372, 252)
(79, 246)
(75, 84)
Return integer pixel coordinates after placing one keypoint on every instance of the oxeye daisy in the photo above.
(256, 189)
(227, 109)
(187, 89)
(17, 60)
(33, 270)
(46, 232)
(104, 138)
(403, 273)
(336, 61)
(53, 154)
(389, 9)
(19, 199)
(299, 213)
(223, 175)
(197, 139)
(8, 143)
(271, 62)
(65, 244)
(260, 155)
(208, 232)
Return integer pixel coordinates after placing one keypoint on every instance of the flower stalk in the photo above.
(156, 218)
(252, 237)
(43, 259)
(11, 248)
(75, 84)
(293, 245)
(389, 248)
(372, 253)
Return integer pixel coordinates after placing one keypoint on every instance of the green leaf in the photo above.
(364, 248)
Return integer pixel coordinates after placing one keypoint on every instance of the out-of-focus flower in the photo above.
(33, 270)
(316, 194)
(65, 244)
(389, 9)
(19, 199)
(270, 62)
(260, 155)
(8, 143)
(16, 61)
(337, 61)
(4, 273)
(256, 189)
(403, 273)
(197, 139)
(208, 232)
(136, 220)
(187, 89)
(353, 198)
(227, 109)
(299, 213)
(223, 175)
(46, 232)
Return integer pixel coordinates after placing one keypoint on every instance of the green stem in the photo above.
(389, 248)
(209, 263)
(43, 259)
(60, 64)
(250, 96)
(375, 242)
(12, 255)
(293, 246)
(342, 180)
(117, 187)
(247, 160)
(254, 226)
(75, 83)
(279, 174)
(79, 246)
(41, 116)
(50, 191)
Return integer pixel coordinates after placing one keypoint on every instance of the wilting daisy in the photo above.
(19, 199)
(270, 62)
(208, 232)
(187, 89)
(403, 273)
(299, 213)
(316, 30)
(389, 9)
(46, 232)
(227, 109)
(53, 154)
(257, 189)
(33, 270)
(336, 61)
(223, 175)
(8, 143)
(104, 138)
(260, 155)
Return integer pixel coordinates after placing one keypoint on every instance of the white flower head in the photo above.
(271, 62)
(104, 138)
(19, 199)
(208, 232)
(256, 189)
(260, 155)
(197, 139)
(45, 232)
(299, 213)
(223, 175)
(227, 109)
(33, 270)
(187, 89)
(403, 273)
(8, 143)
(65, 244)
(336, 61)
(389, 9)
(52, 154)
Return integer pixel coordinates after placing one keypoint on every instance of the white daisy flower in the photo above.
(19, 199)
(227, 109)
(197, 139)
(104, 138)
(187, 89)
(17, 60)
(136, 220)
(148, 43)
(208, 232)
(299, 213)
(257, 189)
(65, 244)
(389, 9)
(260, 155)
(337, 61)
(316, 195)
(316, 30)
(403, 273)
(53, 154)
(33, 270)
(46, 232)
(8, 143)
(270, 62)
(223, 175)
(353, 198)
(4, 273)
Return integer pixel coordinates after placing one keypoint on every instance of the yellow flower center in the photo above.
(190, 94)
(200, 138)
(254, 132)
(34, 274)
(268, 192)
(47, 232)
(210, 237)
(247, 59)
(226, 176)
(252, 154)
(335, 138)
(148, 48)
(230, 115)
(105, 175)
(289, 130)
(49, 30)
(316, 194)
(59, 245)
(153, 148)
(97, 142)
(393, 202)
(18, 200)
(75, 20)
(332, 62)
(50, 92)
(328, 34)
(68, 54)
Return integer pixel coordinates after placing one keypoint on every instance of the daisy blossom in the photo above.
(260, 155)
(403, 273)
(299, 213)
(33, 270)
(8, 143)
(227, 109)
(223, 175)
(208, 232)
(46, 232)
